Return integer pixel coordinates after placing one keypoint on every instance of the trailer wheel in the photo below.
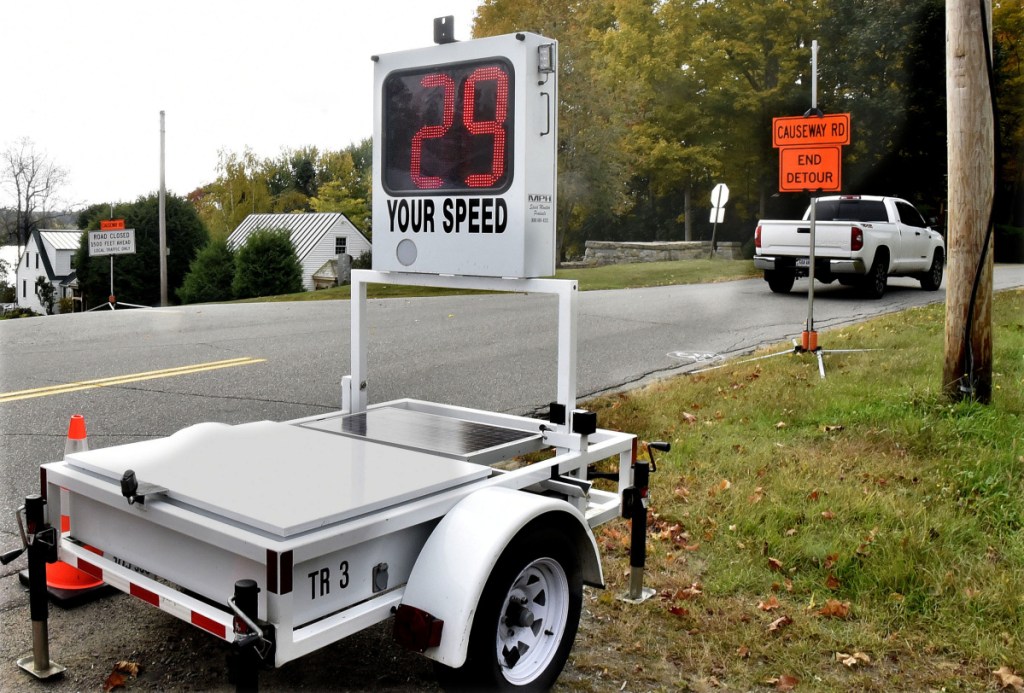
(526, 619)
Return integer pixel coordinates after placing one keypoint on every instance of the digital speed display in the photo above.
(449, 128)
(465, 141)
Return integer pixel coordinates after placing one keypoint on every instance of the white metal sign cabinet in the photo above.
(285, 537)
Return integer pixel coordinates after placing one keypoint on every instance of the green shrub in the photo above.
(267, 266)
(210, 275)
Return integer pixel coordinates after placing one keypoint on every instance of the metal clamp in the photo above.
(262, 646)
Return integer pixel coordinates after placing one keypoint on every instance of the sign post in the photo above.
(811, 160)
(719, 196)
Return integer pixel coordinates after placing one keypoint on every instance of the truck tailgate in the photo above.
(792, 238)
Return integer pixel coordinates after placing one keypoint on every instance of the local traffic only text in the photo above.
(453, 215)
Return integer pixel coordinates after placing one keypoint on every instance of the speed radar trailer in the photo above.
(284, 537)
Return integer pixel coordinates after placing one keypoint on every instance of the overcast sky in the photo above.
(86, 81)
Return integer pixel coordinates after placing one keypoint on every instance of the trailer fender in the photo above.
(456, 561)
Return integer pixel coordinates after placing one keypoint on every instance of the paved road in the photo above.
(487, 351)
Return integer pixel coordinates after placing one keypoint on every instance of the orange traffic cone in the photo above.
(67, 585)
(77, 440)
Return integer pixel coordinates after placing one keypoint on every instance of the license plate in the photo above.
(803, 262)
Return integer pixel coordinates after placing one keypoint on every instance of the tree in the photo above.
(267, 265)
(137, 277)
(34, 182)
(210, 274)
(46, 293)
(8, 293)
(1008, 28)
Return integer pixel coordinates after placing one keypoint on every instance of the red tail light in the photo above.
(757, 237)
(856, 238)
(415, 629)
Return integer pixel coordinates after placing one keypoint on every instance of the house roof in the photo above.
(306, 229)
(62, 240)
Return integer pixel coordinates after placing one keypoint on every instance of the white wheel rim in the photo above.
(525, 651)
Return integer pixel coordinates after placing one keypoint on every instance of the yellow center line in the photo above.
(123, 379)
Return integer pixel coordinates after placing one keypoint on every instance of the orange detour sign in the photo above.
(810, 168)
(111, 224)
(811, 131)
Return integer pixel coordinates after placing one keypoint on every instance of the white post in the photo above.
(163, 220)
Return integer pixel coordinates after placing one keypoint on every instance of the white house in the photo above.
(48, 254)
(317, 238)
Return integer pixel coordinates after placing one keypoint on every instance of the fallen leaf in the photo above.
(830, 429)
(678, 611)
(853, 660)
(775, 564)
(771, 604)
(832, 582)
(1008, 679)
(834, 608)
(120, 674)
(691, 592)
(743, 652)
(830, 560)
(115, 680)
(828, 515)
(791, 532)
(756, 496)
(780, 425)
(813, 495)
(689, 418)
(724, 485)
(779, 624)
(787, 682)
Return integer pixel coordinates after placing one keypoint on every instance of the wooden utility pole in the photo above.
(967, 369)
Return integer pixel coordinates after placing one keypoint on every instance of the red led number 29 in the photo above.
(476, 127)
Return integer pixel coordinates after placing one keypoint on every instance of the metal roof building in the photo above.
(317, 237)
(48, 254)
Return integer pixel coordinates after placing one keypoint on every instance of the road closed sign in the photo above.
(115, 242)
(804, 169)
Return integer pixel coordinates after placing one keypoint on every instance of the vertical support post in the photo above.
(637, 500)
(162, 213)
(42, 549)
(244, 661)
(357, 304)
(809, 341)
(967, 367)
(567, 297)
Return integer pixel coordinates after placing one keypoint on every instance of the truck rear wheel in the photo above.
(877, 277)
(779, 281)
(931, 279)
(526, 619)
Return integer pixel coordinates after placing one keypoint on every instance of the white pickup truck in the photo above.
(861, 240)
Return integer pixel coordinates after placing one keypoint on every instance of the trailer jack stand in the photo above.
(253, 645)
(41, 543)
(634, 508)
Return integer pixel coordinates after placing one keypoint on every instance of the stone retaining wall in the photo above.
(613, 253)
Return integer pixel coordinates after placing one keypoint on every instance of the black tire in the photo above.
(518, 645)
(779, 281)
(931, 279)
(877, 277)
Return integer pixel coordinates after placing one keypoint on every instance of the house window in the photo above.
(339, 245)
(24, 288)
(28, 257)
(37, 260)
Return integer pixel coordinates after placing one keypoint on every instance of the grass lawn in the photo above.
(853, 533)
